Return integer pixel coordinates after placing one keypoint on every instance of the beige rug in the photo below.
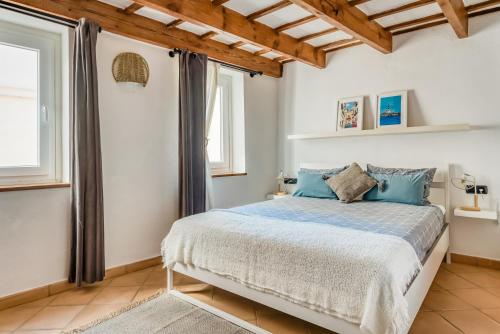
(163, 314)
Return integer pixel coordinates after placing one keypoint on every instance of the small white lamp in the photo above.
(467, 182)
(281, 184)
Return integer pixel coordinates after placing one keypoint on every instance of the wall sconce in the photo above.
(130, 67)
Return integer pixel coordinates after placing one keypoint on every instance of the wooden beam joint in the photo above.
(134, 7)
(455, 12)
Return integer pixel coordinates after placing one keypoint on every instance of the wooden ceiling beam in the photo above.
(428, 20)
(357, 2)
(208, 35)
(261, 52)
(478, 9)
(236, 44)
(345, 46)
(455, 12)
(217, 3)
(174, 23)
(317, 34)
(482, 5)
(269, 10)
(151, 31)
(338, 43)
(415, 22)
(222, 19)
(132, 8)
(420, 27)
(399, 9)
(351, 20)
(280, 59)
(296, 23)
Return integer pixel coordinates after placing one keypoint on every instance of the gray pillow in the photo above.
(429, 176)
(351, 184)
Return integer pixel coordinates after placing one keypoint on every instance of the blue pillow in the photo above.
(408, 189)
(313, 185)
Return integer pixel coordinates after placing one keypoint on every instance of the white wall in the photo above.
(450, 81)
(139, 133)
(139, 152)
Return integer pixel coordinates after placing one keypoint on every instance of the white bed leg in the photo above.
(448, 256)
(170, 279)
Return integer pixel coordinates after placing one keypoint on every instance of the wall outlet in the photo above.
(481, 190)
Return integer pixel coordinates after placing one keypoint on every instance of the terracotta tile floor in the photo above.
(463, 299)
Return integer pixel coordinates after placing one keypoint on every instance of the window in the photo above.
(219, 135)
(226, 144)
(29, 106)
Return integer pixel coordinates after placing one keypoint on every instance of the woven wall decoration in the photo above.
(130, 67)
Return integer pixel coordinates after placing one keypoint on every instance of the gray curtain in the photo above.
(87, 216)
(192, 111)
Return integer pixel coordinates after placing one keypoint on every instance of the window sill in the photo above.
(228, 174)
(34, 186)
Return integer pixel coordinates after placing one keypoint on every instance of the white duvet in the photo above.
(354, 275)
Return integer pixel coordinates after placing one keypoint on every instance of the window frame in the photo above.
(49, 46)
(225, 83)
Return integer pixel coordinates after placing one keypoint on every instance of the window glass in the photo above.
(215, 135)
(19, 125)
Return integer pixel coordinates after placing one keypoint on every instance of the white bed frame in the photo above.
(414, 296)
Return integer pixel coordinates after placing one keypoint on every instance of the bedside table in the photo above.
(274, 196)
(483, 214)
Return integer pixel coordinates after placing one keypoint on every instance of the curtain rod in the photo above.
(175, 51)
(40, 15)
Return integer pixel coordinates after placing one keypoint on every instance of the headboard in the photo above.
(440, 189)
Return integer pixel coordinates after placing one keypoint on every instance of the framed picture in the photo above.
(392, 110)
(350, 114)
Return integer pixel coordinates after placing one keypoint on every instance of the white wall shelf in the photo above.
(483, 214)
(385, 131)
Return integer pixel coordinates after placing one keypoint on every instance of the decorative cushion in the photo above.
(351, 184)
(407, 189)
(313, 185)
(429, 175)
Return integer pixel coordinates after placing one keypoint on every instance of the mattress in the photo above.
(420, 226)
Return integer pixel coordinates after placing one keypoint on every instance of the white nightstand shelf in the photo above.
(483, 214)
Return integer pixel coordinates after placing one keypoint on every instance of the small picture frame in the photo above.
(392, 110)
(350, 114)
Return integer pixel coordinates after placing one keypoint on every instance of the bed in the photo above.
(359, 268)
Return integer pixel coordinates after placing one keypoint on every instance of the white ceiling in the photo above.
(332, 37)
(154, 14)
(409, 15)
(271, 55)
(292, 13)
(195, 29)
(282, 16)
(250, 48)
(308, 28)
(377, 6)
(118, 3)
(247, 7)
